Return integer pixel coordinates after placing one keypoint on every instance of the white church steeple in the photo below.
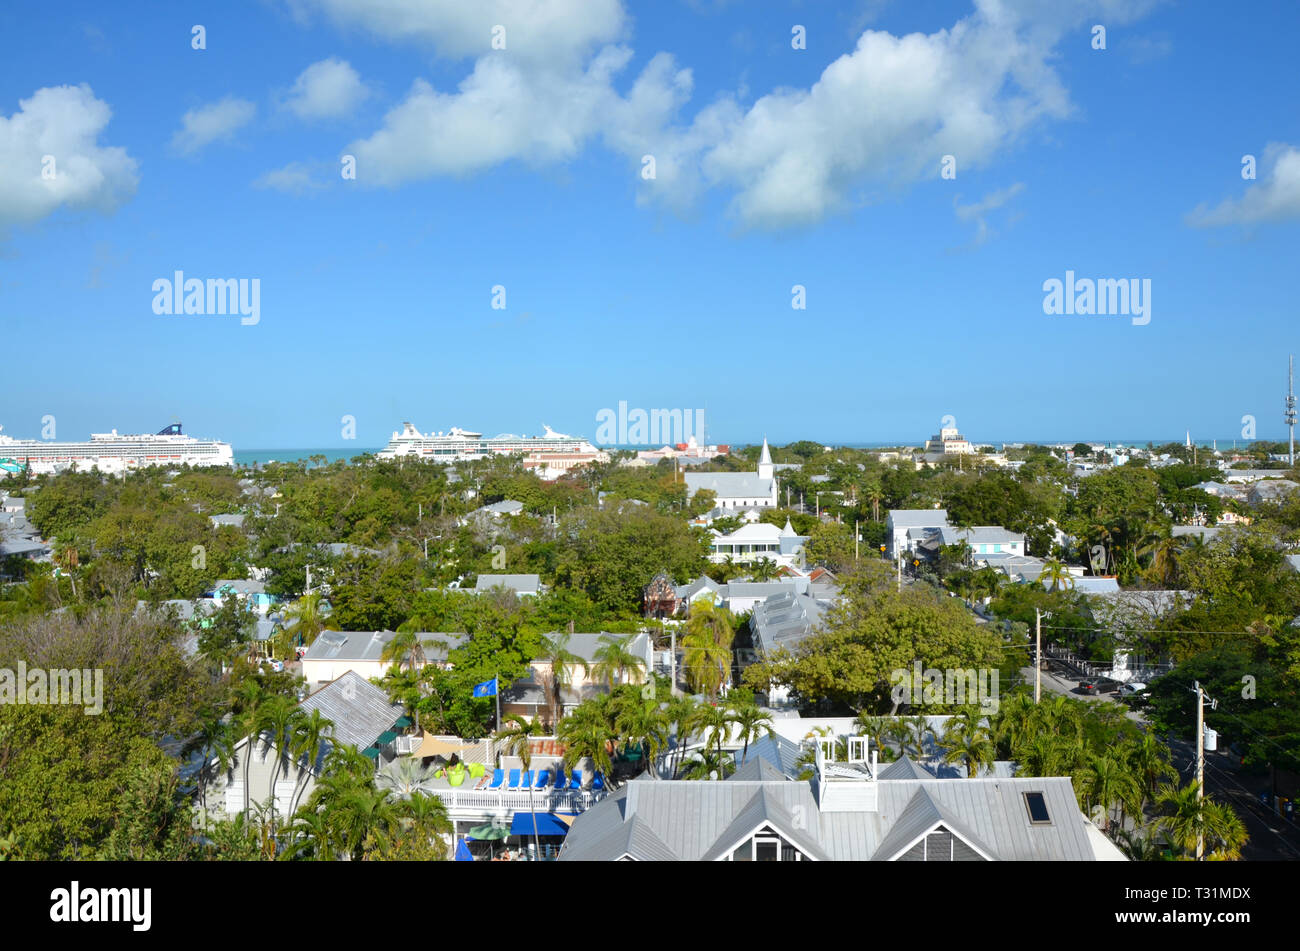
(765, 468)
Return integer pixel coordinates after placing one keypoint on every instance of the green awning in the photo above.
(386, 737)
(402, 723)
(371, 751)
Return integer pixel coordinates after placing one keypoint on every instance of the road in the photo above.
(1271, 837)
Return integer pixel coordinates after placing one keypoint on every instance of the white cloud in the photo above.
(63, 122)
(329, 89)
(540, 31)
(884, 114)
(210, 123)
(295, 178)
(1274, 197)
(978, 211)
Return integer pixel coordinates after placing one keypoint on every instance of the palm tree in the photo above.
(707, 764)
(874, 728)
(249, 697)
(309, 834)
(752, 723)
(277, 726)
(764, 569)
(918, 730)
(641, 723)
(307, 618)
(1227, 833)
(1149, 762)
(681, 713)
(712, 622)
(1138, 845)
(517, 737)
(1014, 723)
(425, 817)
(215, 744)
(613, 660)
(313, 734)
(1186, 820)
(706, 663)
(404, 777)
(405, 647)
(586, 735)
(966, 737)
(1055, 572)
(1164, 560)
(899, 731)
(1106, 780)
(363, 821)
(715, 722)
(562, 663)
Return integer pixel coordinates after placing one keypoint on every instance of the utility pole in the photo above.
(1200, 761)
(672, 662)
(856, 538)
(1038, 655)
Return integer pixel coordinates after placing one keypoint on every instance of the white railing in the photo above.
(497, 801)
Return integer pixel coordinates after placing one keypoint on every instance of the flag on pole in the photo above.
(487, 688)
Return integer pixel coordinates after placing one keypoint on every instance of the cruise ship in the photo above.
(550, 451)
(113, 453)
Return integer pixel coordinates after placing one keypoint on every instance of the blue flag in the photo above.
(487, 688)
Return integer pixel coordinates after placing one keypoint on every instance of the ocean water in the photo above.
(250, 457)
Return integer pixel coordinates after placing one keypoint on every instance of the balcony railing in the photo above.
(498, 801)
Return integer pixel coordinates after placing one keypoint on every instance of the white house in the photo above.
(758, 540)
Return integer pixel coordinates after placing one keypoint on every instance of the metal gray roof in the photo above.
(689, 818)
(369, 645)
(730, 485)
(359, 710)
(516, 583)
(920, 816)
(918, 518)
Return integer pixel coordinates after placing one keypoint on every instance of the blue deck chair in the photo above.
(543, 779)
(597, 782)
(526, 779)
(513, 782)
(576, 783)
(561, 781)
(498, 778)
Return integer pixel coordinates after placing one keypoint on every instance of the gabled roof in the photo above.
(730, 485)
(919, 818)
(694, 819)
(917, 518)
(763, 809)
(359, 710)
(904, 768)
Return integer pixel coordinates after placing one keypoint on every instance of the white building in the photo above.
(759, 540)
(738, 490)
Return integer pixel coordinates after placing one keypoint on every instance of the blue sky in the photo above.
(522, 167)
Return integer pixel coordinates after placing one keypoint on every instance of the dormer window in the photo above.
(766, 845)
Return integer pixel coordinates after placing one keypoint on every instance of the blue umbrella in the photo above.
(462, 852)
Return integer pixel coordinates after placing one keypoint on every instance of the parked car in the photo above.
(1134, 694)
(1095, 686)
